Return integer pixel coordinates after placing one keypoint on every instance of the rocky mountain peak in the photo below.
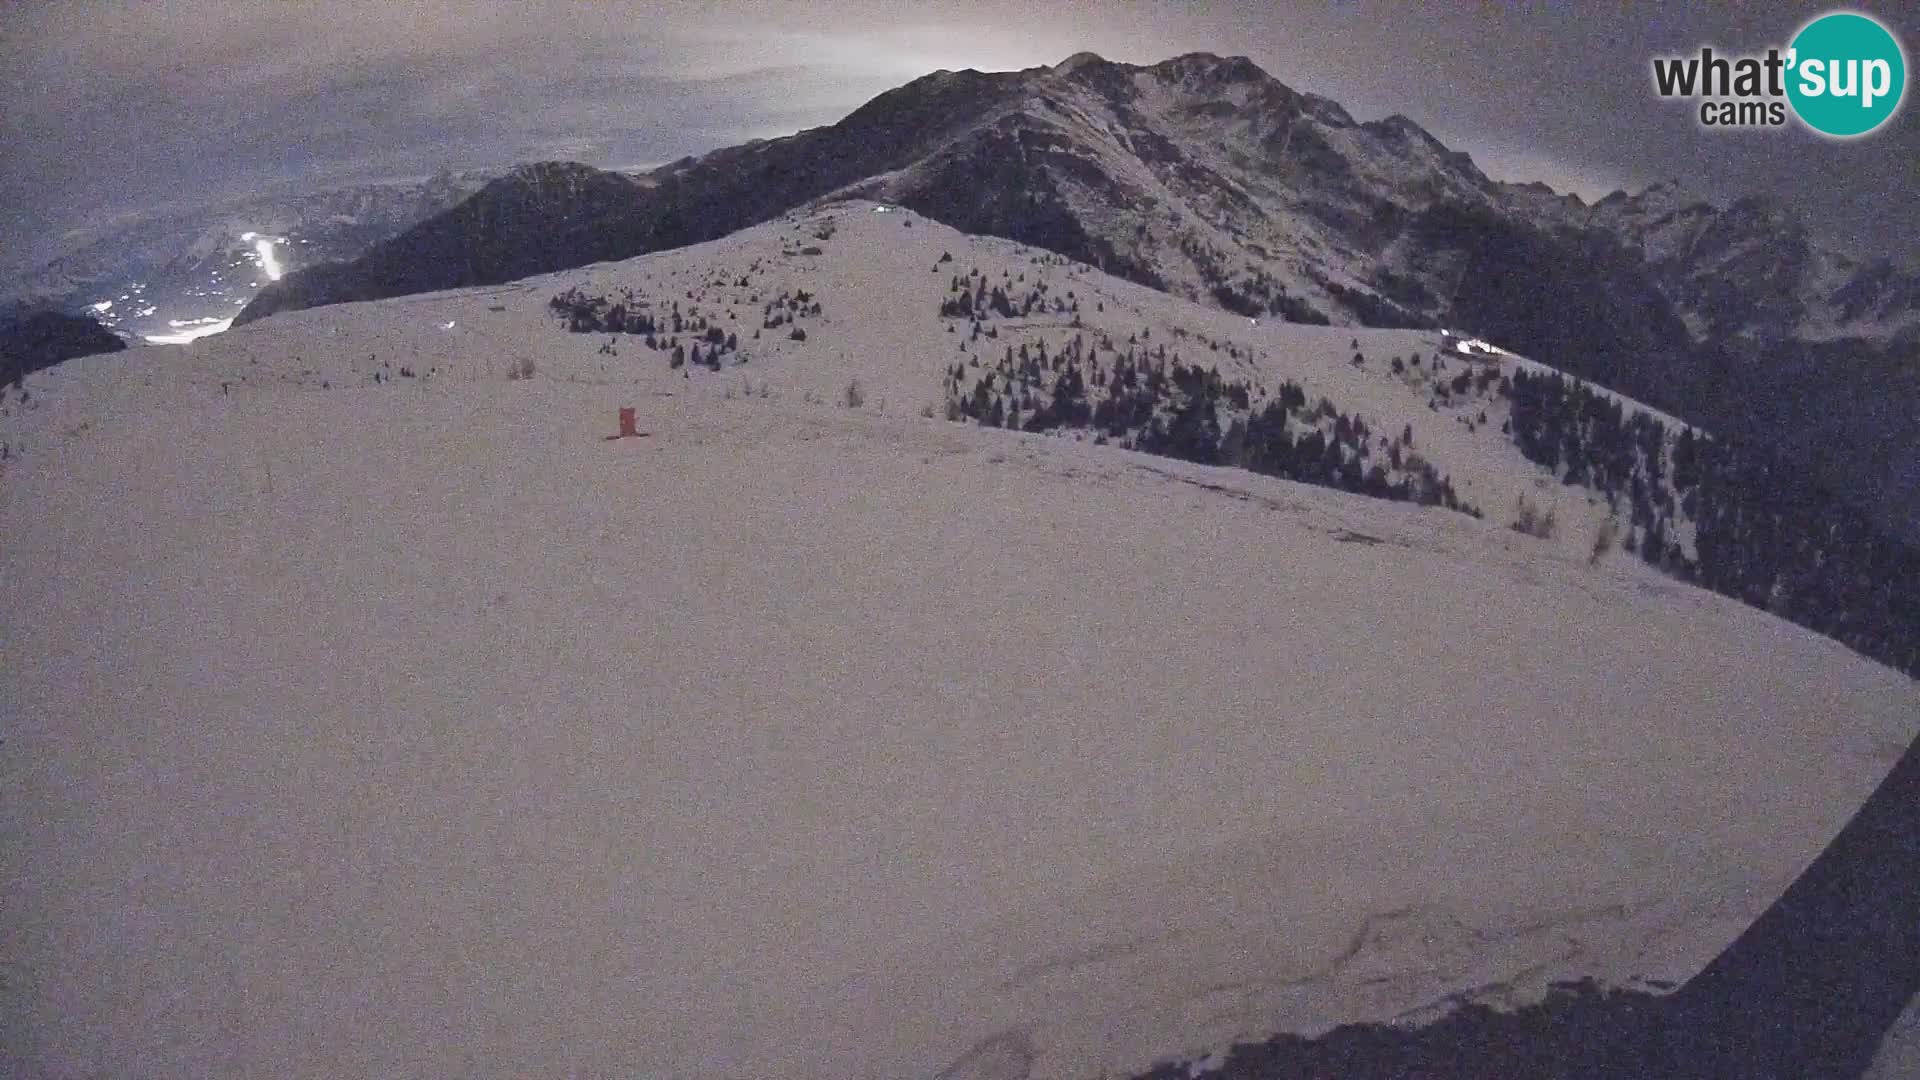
(1077, 61)
(1402, 129)
(1202, 69)
(548, 171)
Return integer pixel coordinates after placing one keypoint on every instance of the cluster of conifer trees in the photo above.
(1146, 399)
(972, 297)
(687, 338)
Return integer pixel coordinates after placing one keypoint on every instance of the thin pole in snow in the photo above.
(1288, 141)
(1458, 279)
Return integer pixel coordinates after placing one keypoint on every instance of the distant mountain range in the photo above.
(1206, 177)
(165, 273)
(1201, 175)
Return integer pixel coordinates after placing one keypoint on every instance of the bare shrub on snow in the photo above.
(1602, 543)
(1532, 521)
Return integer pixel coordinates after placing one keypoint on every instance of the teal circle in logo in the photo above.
(1847, 74)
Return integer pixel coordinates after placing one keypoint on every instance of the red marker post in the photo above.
(627, 428)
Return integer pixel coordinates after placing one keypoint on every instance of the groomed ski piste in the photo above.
(368, 711)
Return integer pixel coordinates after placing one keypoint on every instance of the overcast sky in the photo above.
(112, 107)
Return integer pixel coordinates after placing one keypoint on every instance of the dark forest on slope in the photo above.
(1579, 302)
(1768, 532)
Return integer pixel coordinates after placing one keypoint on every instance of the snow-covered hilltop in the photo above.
(370, 710)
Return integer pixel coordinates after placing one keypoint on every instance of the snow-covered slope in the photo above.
(369, 711)
(880, 283)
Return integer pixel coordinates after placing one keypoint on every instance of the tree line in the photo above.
(1767, 531)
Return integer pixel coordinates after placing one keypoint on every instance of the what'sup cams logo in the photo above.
(1844, 75)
